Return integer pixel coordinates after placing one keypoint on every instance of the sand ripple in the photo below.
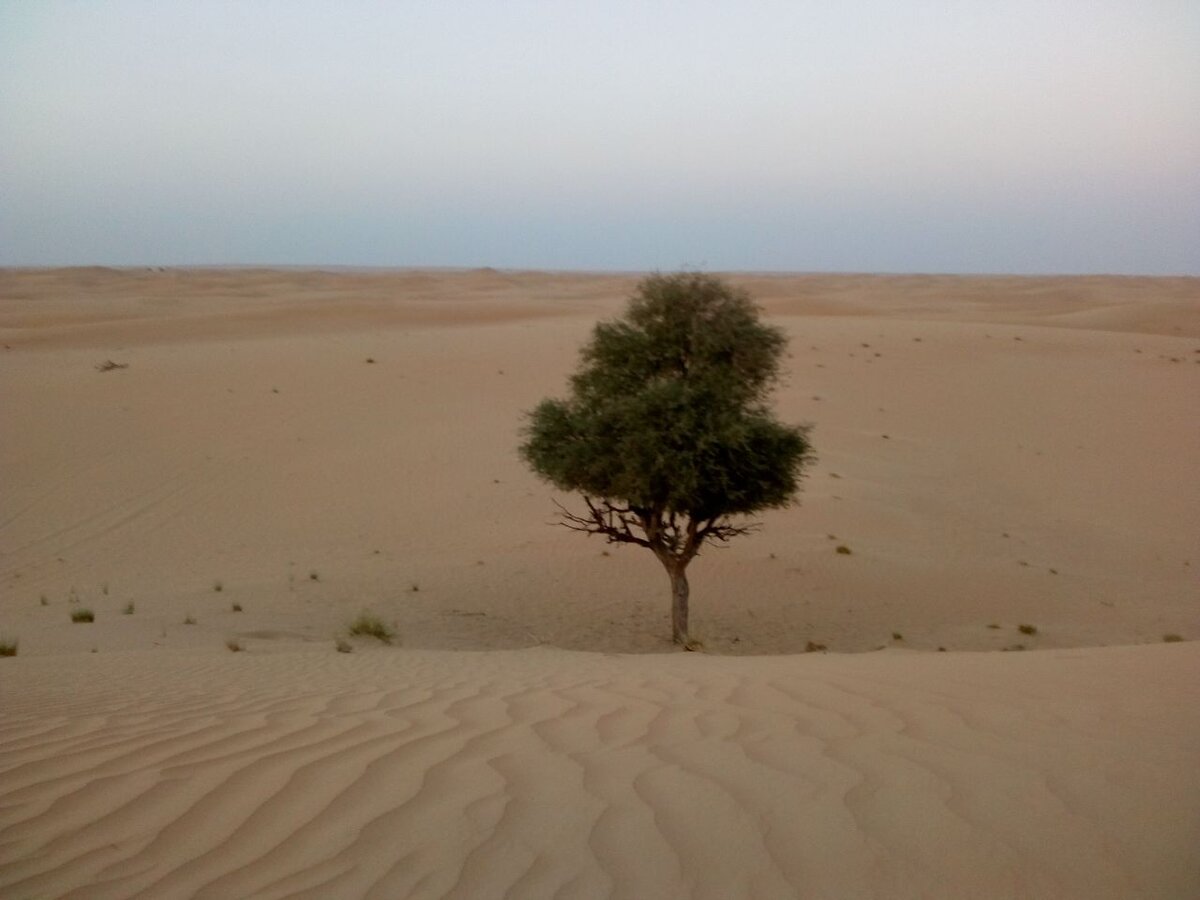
(550, 774)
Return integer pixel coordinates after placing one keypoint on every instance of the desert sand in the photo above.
(276, 451)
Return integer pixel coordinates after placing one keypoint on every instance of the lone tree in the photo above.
(667, 433)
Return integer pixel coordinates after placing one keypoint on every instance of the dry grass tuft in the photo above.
(367, 625)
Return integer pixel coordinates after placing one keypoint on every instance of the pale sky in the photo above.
(1056, 136)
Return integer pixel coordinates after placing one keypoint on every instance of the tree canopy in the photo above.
(667, 431)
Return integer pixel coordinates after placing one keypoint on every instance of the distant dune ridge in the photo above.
(1008, 463)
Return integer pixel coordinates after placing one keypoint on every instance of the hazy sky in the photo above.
(858, 135)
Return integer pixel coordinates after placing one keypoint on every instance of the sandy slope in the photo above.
(304, 445)
(538, 773)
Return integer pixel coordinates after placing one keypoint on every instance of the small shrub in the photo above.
(342, 645)
(8, 646)
(1027, 629)
(844, 550)
(1172, 638)
(104, 589)
(314, 575)
(235, 607)
(82, 615)
(371, 626)
(814, 647)
(128, 610)
(993, 625)
(234, 646)
(189, 620)
(218, 586)
(44, 600)
(897, 636)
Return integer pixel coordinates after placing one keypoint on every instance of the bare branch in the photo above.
(604, 518)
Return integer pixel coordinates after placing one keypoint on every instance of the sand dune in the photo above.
(545, 773)
(284, 449)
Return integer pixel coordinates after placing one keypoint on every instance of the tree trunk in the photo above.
(679, 605)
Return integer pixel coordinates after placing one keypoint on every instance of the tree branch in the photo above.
(607, 519)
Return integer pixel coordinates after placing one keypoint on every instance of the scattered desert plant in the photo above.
(82, 615)
(218, 586)
(128, 610)
(993, 625)
(844, 550)
(897, 636)
(108, 365)
(314, 575)
(44, 600)
(667, 434)
(1172, 638)
(368, 625)
(1027, 629)
(189, 620)
(414, 587)
(342, 645)
(234, 645)
(8, 646)
(104, 589)
(814, 647)
(235, 607)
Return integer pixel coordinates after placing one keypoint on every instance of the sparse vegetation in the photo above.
(897, 636)
(341, 645)
(234, 645)
(814, 647)
(108, 365)
(82, 615)
(189, 620)
(844, 550)
(8, 646)
(44, 600)
(314, 575)
(367, 625)
(993, 625)
(1027, 629)
(128, 609)
(235, 607)
(1172, 638)
(218, 586)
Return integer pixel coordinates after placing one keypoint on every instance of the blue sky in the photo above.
(1015, 137)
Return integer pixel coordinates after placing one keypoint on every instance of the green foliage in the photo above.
(668, 409)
